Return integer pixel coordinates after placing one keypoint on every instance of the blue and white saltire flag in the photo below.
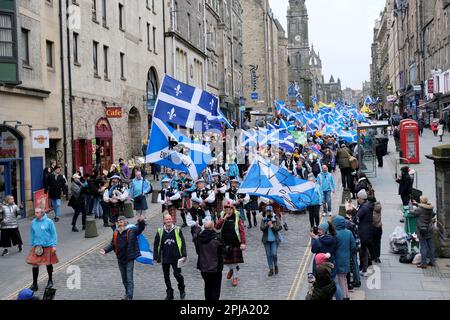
(163, 150)
(187, 106)
(281, 108)
(264, 179)
(146, 253)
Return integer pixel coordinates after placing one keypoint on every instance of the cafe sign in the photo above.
(40, 139)
(113, 112)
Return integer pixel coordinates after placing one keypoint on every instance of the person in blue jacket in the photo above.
(314, 206)
(138, 191)
(344, 247)
(326, 182)
(43, 241)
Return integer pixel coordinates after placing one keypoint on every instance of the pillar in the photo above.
(441, 158)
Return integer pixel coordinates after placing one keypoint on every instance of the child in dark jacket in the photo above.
(323, 288)
(324, 242)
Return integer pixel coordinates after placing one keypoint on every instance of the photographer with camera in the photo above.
(270, 226)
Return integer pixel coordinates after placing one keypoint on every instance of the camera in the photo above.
(315, 230)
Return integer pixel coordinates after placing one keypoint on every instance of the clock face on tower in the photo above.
(298, 38)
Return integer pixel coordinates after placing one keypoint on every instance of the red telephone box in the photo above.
(409, 141)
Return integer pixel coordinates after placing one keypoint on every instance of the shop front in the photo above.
(11, 164)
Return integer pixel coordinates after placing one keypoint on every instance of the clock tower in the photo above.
(298, 48)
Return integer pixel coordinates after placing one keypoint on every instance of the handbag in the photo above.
(38, 251)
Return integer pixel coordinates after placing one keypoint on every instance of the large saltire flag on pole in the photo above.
(165, 144)
(187, 106)
(264, 179)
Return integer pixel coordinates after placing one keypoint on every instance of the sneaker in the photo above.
(5, 252)
(402, 220)
(74, 229)
(286, 227)
(235, 282)
(230, 274)
(270, 273)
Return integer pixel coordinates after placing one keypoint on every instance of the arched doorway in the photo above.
(152, 93)
(104, 141)
(134, 132)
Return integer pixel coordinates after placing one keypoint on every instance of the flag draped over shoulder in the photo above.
(165, 147)
(267, 180)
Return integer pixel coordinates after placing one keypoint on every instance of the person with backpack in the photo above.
(170, 250)
(343, 159)
(209, 247)
(125, 245)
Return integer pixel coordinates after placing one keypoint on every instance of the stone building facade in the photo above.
(415, 72)
(117, 63)
(264, 58)
(30, 95)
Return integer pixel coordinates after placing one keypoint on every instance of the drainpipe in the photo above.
(205, 40)
(173, 40)
(164, 34)
(61, 39)
(69, 74)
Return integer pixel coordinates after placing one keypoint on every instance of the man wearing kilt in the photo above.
(219, 188)
(169, 198)
(185, 190)
(115, 197)
(232, 231)
(204, 196)
(238, 200)
(43, 241)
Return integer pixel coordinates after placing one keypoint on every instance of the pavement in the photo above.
(392, 280)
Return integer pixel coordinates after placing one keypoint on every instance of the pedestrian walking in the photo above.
(314, 206)
(56, 185)
(421, 126)
(327, 186)
(343, 159)
(271, 226)
(124, 170)
(377, 232)
(48, 171)
(210, 247)
(345, 245)
(405, 186)
(233, 234)
(138, 191)
(170, 250)
(440, 132)
(251, 208)
(77, 202)
(43, 242)
(424, 213)
(125, 245)
(10, 234)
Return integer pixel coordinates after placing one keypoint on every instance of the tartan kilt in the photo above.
(185, 203)
(233, 256)
(46, 259)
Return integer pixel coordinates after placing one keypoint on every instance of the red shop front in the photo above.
(96, 153)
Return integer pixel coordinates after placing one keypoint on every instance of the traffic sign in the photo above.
(255, 96)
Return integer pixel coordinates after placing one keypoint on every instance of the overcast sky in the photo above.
(342, 31)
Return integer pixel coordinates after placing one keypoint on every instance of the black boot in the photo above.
(249, 219)
(182, 293)
(183, 216)
(34, 286)
(50, 276)
(169, 294)
(254, 219)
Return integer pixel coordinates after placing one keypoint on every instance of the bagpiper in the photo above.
(115, 196)
(239, 200)
(219, 188)
(204, 195)
(185, 188)
(169, 198)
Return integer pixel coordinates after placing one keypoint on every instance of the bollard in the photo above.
(128, 210)
(91, 227)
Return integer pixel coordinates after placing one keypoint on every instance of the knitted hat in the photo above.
(324, 226)
(322, 258)
(362, 194)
